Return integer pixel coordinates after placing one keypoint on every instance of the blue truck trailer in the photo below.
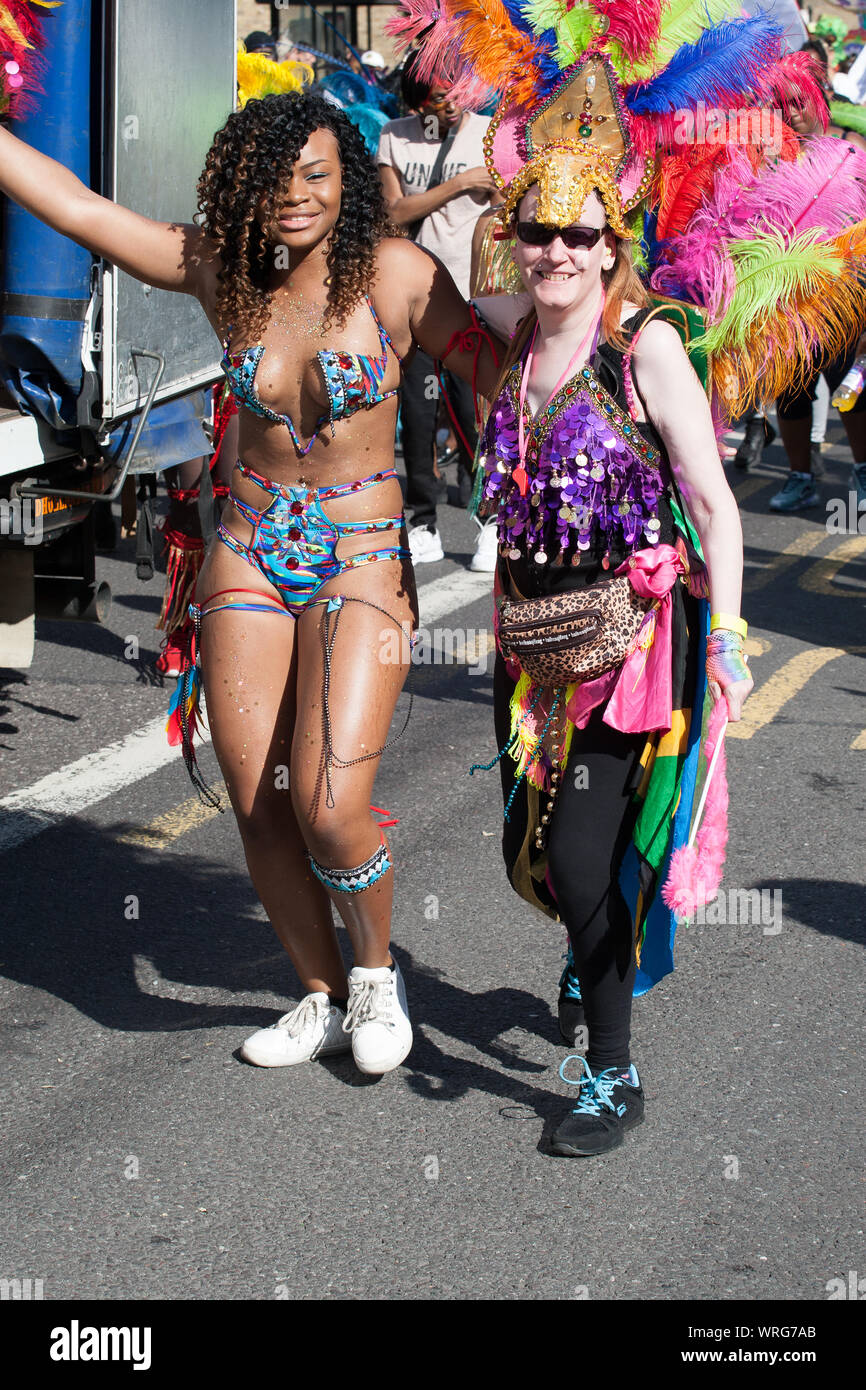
(102, 378)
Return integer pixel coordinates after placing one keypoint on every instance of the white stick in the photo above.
(710, 770)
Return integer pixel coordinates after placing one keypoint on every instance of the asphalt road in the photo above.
(143, 1159)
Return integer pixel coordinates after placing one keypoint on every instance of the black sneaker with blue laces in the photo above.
(570, 1006)
(610, 1103)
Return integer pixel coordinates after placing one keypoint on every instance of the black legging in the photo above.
(590, 832)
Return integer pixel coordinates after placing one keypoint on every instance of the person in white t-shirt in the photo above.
(441, 219)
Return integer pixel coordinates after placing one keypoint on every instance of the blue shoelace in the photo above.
(568, 980)
(596, 1092)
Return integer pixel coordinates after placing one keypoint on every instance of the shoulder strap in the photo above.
(645, 318)
(435, 175)
(385, 340)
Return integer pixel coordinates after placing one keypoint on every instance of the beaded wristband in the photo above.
(727, 620)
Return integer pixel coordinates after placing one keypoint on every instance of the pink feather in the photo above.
(696, 872)
(412, 20)
(634, 25)
(824, 189)
(437, 34)
(794, 81)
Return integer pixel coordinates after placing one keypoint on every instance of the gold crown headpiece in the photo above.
(573, 142)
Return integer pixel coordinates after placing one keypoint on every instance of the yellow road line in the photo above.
(804, 544)
(170, 826)
(860, 741)
(818, 577)
(766, 702)
(743, 491)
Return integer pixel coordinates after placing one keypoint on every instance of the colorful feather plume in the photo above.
(685, 180)
(259, 76)
(824, 191)
(743, 223)
(473, 45)
(724, 62)
(682, 21)
(412, 21)
(796, 303)
(21, 67)
(825, 188)
(793, 82)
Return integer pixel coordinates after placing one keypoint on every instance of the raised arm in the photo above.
(167, 255)
(438, 312)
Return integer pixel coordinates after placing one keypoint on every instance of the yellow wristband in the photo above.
(732, 624)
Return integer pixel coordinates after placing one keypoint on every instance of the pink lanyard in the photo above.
(519, 473)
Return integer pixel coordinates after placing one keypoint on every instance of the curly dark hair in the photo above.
(248, 161)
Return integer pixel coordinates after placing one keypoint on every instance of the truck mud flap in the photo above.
(144, 566)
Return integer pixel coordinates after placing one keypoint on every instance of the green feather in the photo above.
(542, 14)
(573, 27)
(774, 275)
(682, 22)
(848, 116)
(574, 32)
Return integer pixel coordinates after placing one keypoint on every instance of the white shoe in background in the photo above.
(486, 548)
(425, 545)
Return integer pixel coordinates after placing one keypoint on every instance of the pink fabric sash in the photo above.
(639, 693)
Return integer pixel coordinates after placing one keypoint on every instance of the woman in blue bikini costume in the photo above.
(317, 302)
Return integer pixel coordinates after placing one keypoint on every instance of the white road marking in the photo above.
(452, 591)
(80, 785)
(84, 783)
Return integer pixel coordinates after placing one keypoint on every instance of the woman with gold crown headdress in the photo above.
(600, 461)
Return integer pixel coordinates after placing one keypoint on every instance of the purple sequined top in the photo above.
(592, 475)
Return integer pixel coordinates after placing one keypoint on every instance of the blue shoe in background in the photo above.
(798, 493)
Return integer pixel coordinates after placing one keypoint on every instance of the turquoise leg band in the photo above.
(354, 880)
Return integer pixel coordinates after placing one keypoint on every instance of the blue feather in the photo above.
(515, 14)
(726, 59)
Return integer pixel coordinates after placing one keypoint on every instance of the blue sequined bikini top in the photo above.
(352, 380)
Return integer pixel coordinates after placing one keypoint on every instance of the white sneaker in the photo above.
(425, 545)
(313, 1029)
(378, 1019)
(486, 555)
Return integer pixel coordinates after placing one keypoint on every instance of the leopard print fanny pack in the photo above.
(576, 636)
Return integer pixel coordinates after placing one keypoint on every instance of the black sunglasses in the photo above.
(538, 234)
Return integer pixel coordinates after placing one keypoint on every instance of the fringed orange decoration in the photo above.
(184, 555)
